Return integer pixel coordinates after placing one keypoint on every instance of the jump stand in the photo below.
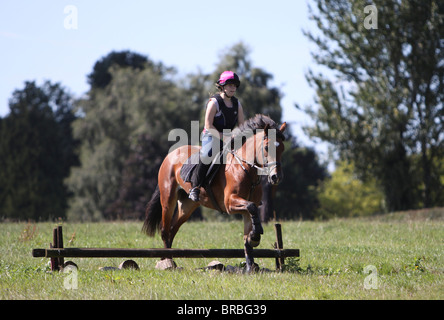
(57, 253)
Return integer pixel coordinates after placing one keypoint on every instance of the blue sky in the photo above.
(188, 35)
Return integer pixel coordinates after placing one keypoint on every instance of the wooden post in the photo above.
(54, 244)
(279, 245)
(60, 245)
(57, 243)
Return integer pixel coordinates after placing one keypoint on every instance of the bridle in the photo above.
(265, 169)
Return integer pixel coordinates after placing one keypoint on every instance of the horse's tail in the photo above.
(153, 214)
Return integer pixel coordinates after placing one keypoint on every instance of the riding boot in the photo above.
(197, 180)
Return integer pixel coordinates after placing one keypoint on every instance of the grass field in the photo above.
(405, 248)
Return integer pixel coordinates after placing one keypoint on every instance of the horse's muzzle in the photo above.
(273, 179)
(274, 174)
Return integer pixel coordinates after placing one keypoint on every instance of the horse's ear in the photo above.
(283, 127)
(267, 126)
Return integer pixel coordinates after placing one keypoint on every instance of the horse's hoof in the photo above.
(252, 268)
(254, 239)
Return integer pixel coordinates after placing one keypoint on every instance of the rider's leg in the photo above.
(206, 156)
(197, 180)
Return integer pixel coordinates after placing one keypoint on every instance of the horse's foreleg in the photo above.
(257, 230)
(237, 204)
(252, 225)
(248, 249)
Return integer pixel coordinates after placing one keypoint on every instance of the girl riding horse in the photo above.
(223, 111)
(235, 185)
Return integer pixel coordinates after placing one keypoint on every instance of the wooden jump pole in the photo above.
(159, 253)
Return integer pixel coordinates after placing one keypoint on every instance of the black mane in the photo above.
(250, 126)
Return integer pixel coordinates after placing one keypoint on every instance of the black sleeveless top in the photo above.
(227, 117)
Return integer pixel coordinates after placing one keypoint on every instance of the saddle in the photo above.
(187, 170)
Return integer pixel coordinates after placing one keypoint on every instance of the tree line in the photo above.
(97, 156)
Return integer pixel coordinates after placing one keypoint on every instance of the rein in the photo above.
(254, 184)
(264, 170)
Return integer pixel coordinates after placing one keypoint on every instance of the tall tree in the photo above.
(37, 150)
(383, 109)
(139, 179)
(137, 106)
(100, 77)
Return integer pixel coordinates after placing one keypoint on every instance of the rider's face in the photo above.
(230, 89)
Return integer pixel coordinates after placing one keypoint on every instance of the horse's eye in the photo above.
(266, 148)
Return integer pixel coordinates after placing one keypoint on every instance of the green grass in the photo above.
(406, 249)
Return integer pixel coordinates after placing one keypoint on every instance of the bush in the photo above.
(344, 195)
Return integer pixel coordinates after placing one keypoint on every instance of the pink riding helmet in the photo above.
(228, 77)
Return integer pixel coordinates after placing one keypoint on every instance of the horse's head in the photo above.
(260, 142)
(269, 153)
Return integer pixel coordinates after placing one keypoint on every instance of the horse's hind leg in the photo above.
(185, 207)
(168, 200)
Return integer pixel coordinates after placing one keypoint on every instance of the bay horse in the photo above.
(236, 185)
